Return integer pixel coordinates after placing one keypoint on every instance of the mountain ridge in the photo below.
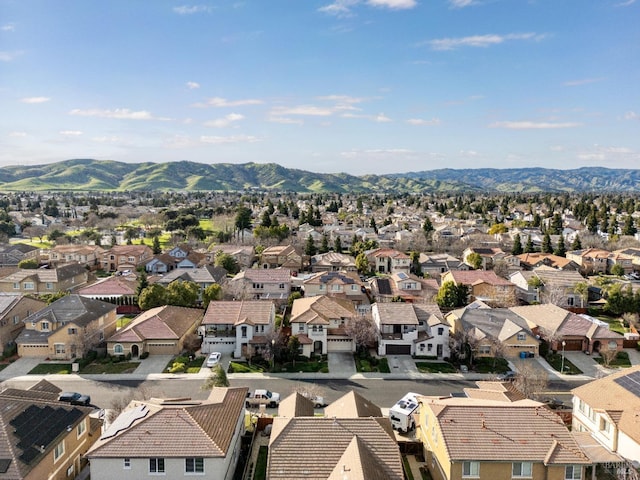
(184, 175)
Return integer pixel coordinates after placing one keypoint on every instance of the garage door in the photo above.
(339, 345)
(573, 345)
(398, 349)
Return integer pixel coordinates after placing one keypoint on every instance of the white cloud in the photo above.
(219, 102)
(380, 118)
(378, 152)
(193, 85)
(308, 110)
(469, 153)
(9, 27)
(17, 134)
(71, 133)
(393, 4)
(626, 3)
(339, 8)
(422, 121)
(528, 125)
(631, 116)
(8, 56)
(225, 121)
(191, 9)
(35, 99)
(583, 81)
(557, 148)
(118, 113)
(482, 41)
(216, 140)
(286, 120)
(106, 139)
(461, 3)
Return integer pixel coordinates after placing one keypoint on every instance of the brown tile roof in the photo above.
(396, 313)
(327, 308)
(173, 430)
(473, 277)
(547, 315)
(115, 285)
(498, 431)
(352, 405)
(607, 395)
(295, 405)
(266, 275)
(167, 323)
(315, 449)
(533, 259)
(236, 312)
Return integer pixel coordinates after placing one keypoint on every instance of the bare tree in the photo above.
(119, 404)
(608, 355)
(532, 379)
(554, 294)
(464, 344)
(552, 338)
(309, 390)
(363, 331)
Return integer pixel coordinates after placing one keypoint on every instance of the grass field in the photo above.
(435, 367)
(119, 367)
(54, 368)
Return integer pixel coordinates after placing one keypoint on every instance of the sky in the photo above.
(355, 86)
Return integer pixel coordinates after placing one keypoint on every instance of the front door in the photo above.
(135, 351)
(317, 347)
(439, 350)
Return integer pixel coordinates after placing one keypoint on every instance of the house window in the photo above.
(335, 288)
(16, 285)
(117, 349)
(126, 463)
(581, 405)
(521, 470)
(70, 471)
(44, 326)
(440, 331)
(429, 347)
(301, 327)
(49, 286)
(484, 349)
(570, 301)
(243, 331)
(573, 472)
(58, 451)
(59, 347)
(81, 428)
(72, 331)
(470, 469)
(605, 426)
(156, 465)
(194, 465)
(16, 319)
(258, 286)
(29, 286)
(281, 286)
(522, 336)
(321, 287)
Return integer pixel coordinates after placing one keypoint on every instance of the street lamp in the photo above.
(562, 363)
(273, 353)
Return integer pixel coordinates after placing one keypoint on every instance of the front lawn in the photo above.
(47, 368)
(118, 367)
(182, 364)
(555, 360)
(366, 363)
(621, 361)
(306, 366)
(435, 367)
(490, 365)
(244, 367)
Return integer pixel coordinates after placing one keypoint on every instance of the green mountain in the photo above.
(102, 175)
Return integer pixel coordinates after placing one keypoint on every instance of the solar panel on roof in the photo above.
(384, 287)
(4, 464)
(402, 276)
(630, 382)
(125, 420)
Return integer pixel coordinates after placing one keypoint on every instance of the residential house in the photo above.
(634, 253)
(623, 260)
(320, 323)
(204, 276)
(67, 328)
(494, 332)
(14, 308)
(42, 437)
(42, 281)
(549, 285)
(411, 329)
(261, 284)
(407, 287)
(243, 255)
(388, 260)
(489, 255)
(485, 439)
(352, 405)
(333, 262)
(239, 327)
(282, 256)
(567, 330)
(11, 255)
(158, 331)
(483, 285)
(608, 410)
(296, 405)
(336, 284)
(433, 265)
(117, 289)
(126, 257)
(529, 261)
(181, 439)
(89, 256)
(160, 264)
(592, 261)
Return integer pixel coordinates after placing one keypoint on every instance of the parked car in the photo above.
(74, 398)
(507, 376)
(213, 359)
(262, 397)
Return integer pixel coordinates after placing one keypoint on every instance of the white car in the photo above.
(213, 359)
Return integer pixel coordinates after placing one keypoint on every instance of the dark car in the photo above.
(507, 376)
(74, 398)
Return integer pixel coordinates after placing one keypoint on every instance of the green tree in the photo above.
(619, 300)
(362, 263)
(617, 270)
(560, 250)
(211, 293)
(157, 249)
(592, 223)
(528, 248)
(293, 347)
(475, 260)
(324, 245)
(576, 244)
(498, 228)
(28, 263)
(337, 245)
(243, 219)
(226, 261)
(517, 245)
(546, 244)
(182, 293)
(582, 289)
(152, 296)
(218, 378)
(451, 295)
(310, 247)
(143, 282)
(556, 226)
(427, 227)
(629, 227)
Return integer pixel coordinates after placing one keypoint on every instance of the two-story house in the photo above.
(405, 286)
(87, 255)
(466, 438)
(237, 327)
(411, 329)
(336, 284)
(333, 262)
(117, 289)
(529, 261)
(188, 439)
(433, 265)
(483, 285)
(549, 285)
(320, 324)
(42, 437)
(608, 409)
(125, 257)
(67, 328)
(43, 281)
(282, 256)
(489, 256)
(11, 255)
(204, 276)
(388, 260)
(591, 261)
(13, 310)
(261, 284)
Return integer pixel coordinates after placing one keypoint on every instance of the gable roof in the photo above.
(205, 429)
(396, 313)
(498, 323)
(473, 277)
(295, 405)
(200, 275)
(114, 285)
(72, 308)
(306, 309)
(256, 312)
(265, 275)
(352, 405)
(161, 323)
(43, 275)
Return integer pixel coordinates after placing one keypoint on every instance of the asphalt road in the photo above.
(382, 392)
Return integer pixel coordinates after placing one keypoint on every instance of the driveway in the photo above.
(153, 364)
(341, 363)
(20, 367)
(402, 364)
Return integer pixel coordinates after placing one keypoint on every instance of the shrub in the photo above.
(144, 355)
(177, 367)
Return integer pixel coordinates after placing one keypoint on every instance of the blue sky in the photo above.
(357, 86)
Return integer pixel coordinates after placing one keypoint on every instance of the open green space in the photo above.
(555, 360)
(53, 368)
(261, 463)
(244, 367)
(435, 367)
(118, 367)
(302, 366)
